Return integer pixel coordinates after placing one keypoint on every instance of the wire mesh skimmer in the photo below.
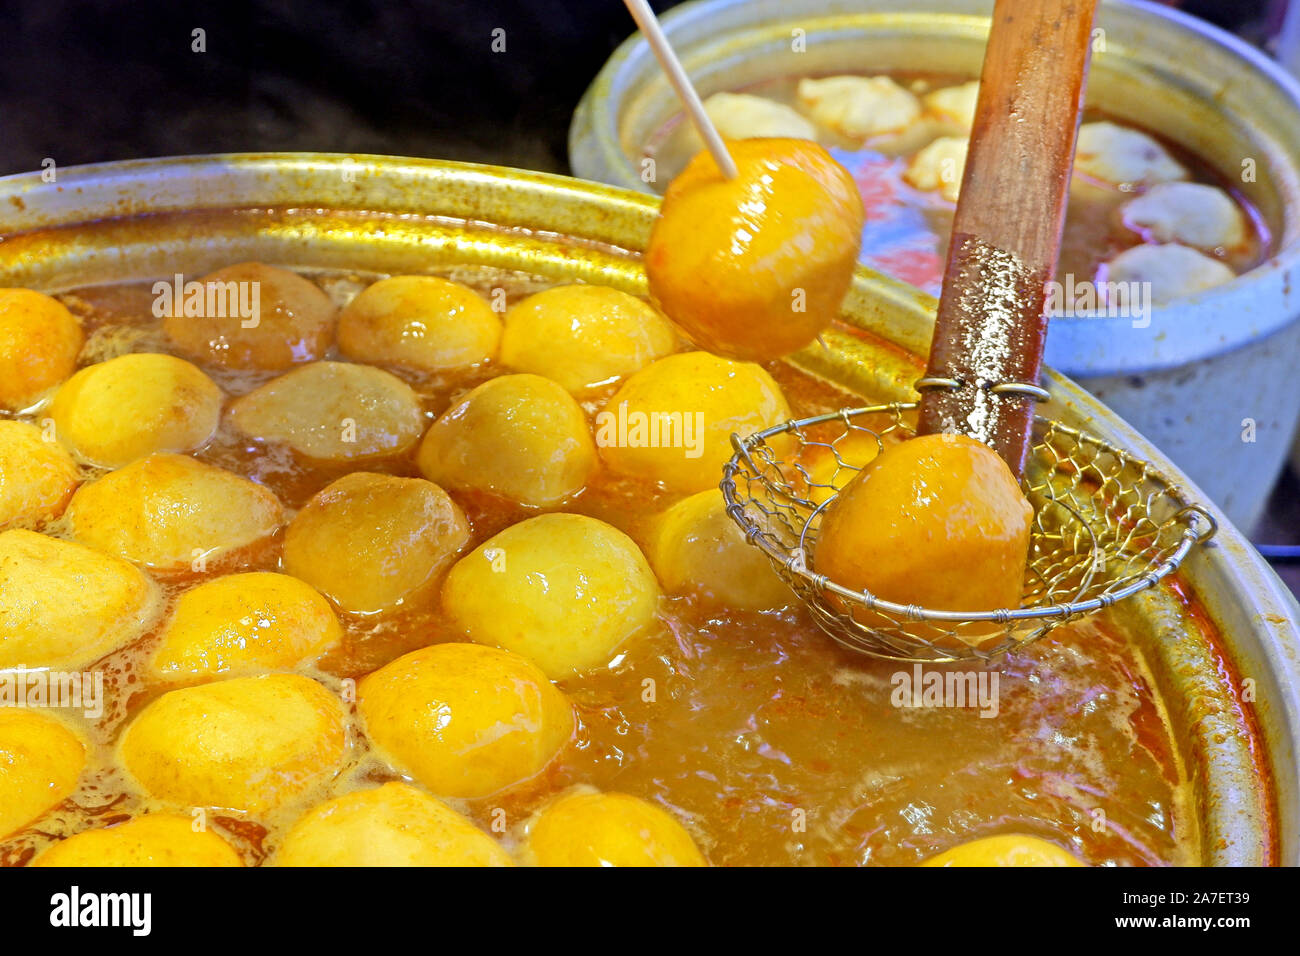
(1106, 526)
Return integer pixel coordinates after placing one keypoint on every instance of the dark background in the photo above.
(90, 80)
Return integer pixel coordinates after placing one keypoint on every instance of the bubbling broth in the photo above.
(767, 741)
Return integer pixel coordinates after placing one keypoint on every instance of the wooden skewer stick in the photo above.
(1006, 234)
(649, 25)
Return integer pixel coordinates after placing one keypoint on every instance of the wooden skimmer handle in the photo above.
(1006, 237)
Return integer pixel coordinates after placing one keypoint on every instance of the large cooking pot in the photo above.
(149, 218)
(1209, 380)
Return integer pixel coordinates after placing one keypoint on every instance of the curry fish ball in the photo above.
(522, 437)
(562, 590)
(1172, 271)
(391, 825)
(939, 167)
(40, 763)
(419, 322)
(254, 316)
(744, 116)
(1123, 157)
(156, 839)
(37, 477)
(167, 511)
(371, 542)
(1005, 850)
(247, 743)
(1191, 213)
(823, 469)
(672, 422)
(695, 546)
(859, 106)
(242, 622)
(936, 521)
(64, 605)
(584, 335)
(585, 828)
(39, 344)
(465, 720)
(756, 266)
(956, 104)
(333, 411)
(117, 411)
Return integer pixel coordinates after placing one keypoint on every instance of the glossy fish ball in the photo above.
(939, 167)
(333, 411)
(39, 344)
(1119, 156)
(40, 764)
(1005, 850)
(156, 839)
(168, 511)
(117, 411)
(937, 521)
(419, 322)
(672, 422)
(37, 477)
(465, 720)
(744, 116)
(293, 324)
(245, 622)
(823, 469)
(584, 335)
(757, 266)
(521, 437)
(63, 605)
(371, 542)
(585, 828)
(1190, 213)
(695, 547)
(391, 825)
(1170, 271)
(859, 106)
(956, 104)
(247, 743)
(563, 590)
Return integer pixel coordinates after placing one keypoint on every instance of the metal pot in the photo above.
(1209, 379)
(147, 218)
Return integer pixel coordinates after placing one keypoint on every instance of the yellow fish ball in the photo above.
(1005, 850)
(584, 335)
(391, 825)
(39, 344)
(169, 511)
(372, 542)
(694, 546)
(156, 839)
(563, 590)
(40, 763)
(131, 406)
(290, 320)
(419, 322)
(521, 437)
(63, 605)
(585, 828)
(245, 622)
(333, 411)
(465, 720)
(672, 422)
(37, 477)
(247, 743)
(756, 266)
